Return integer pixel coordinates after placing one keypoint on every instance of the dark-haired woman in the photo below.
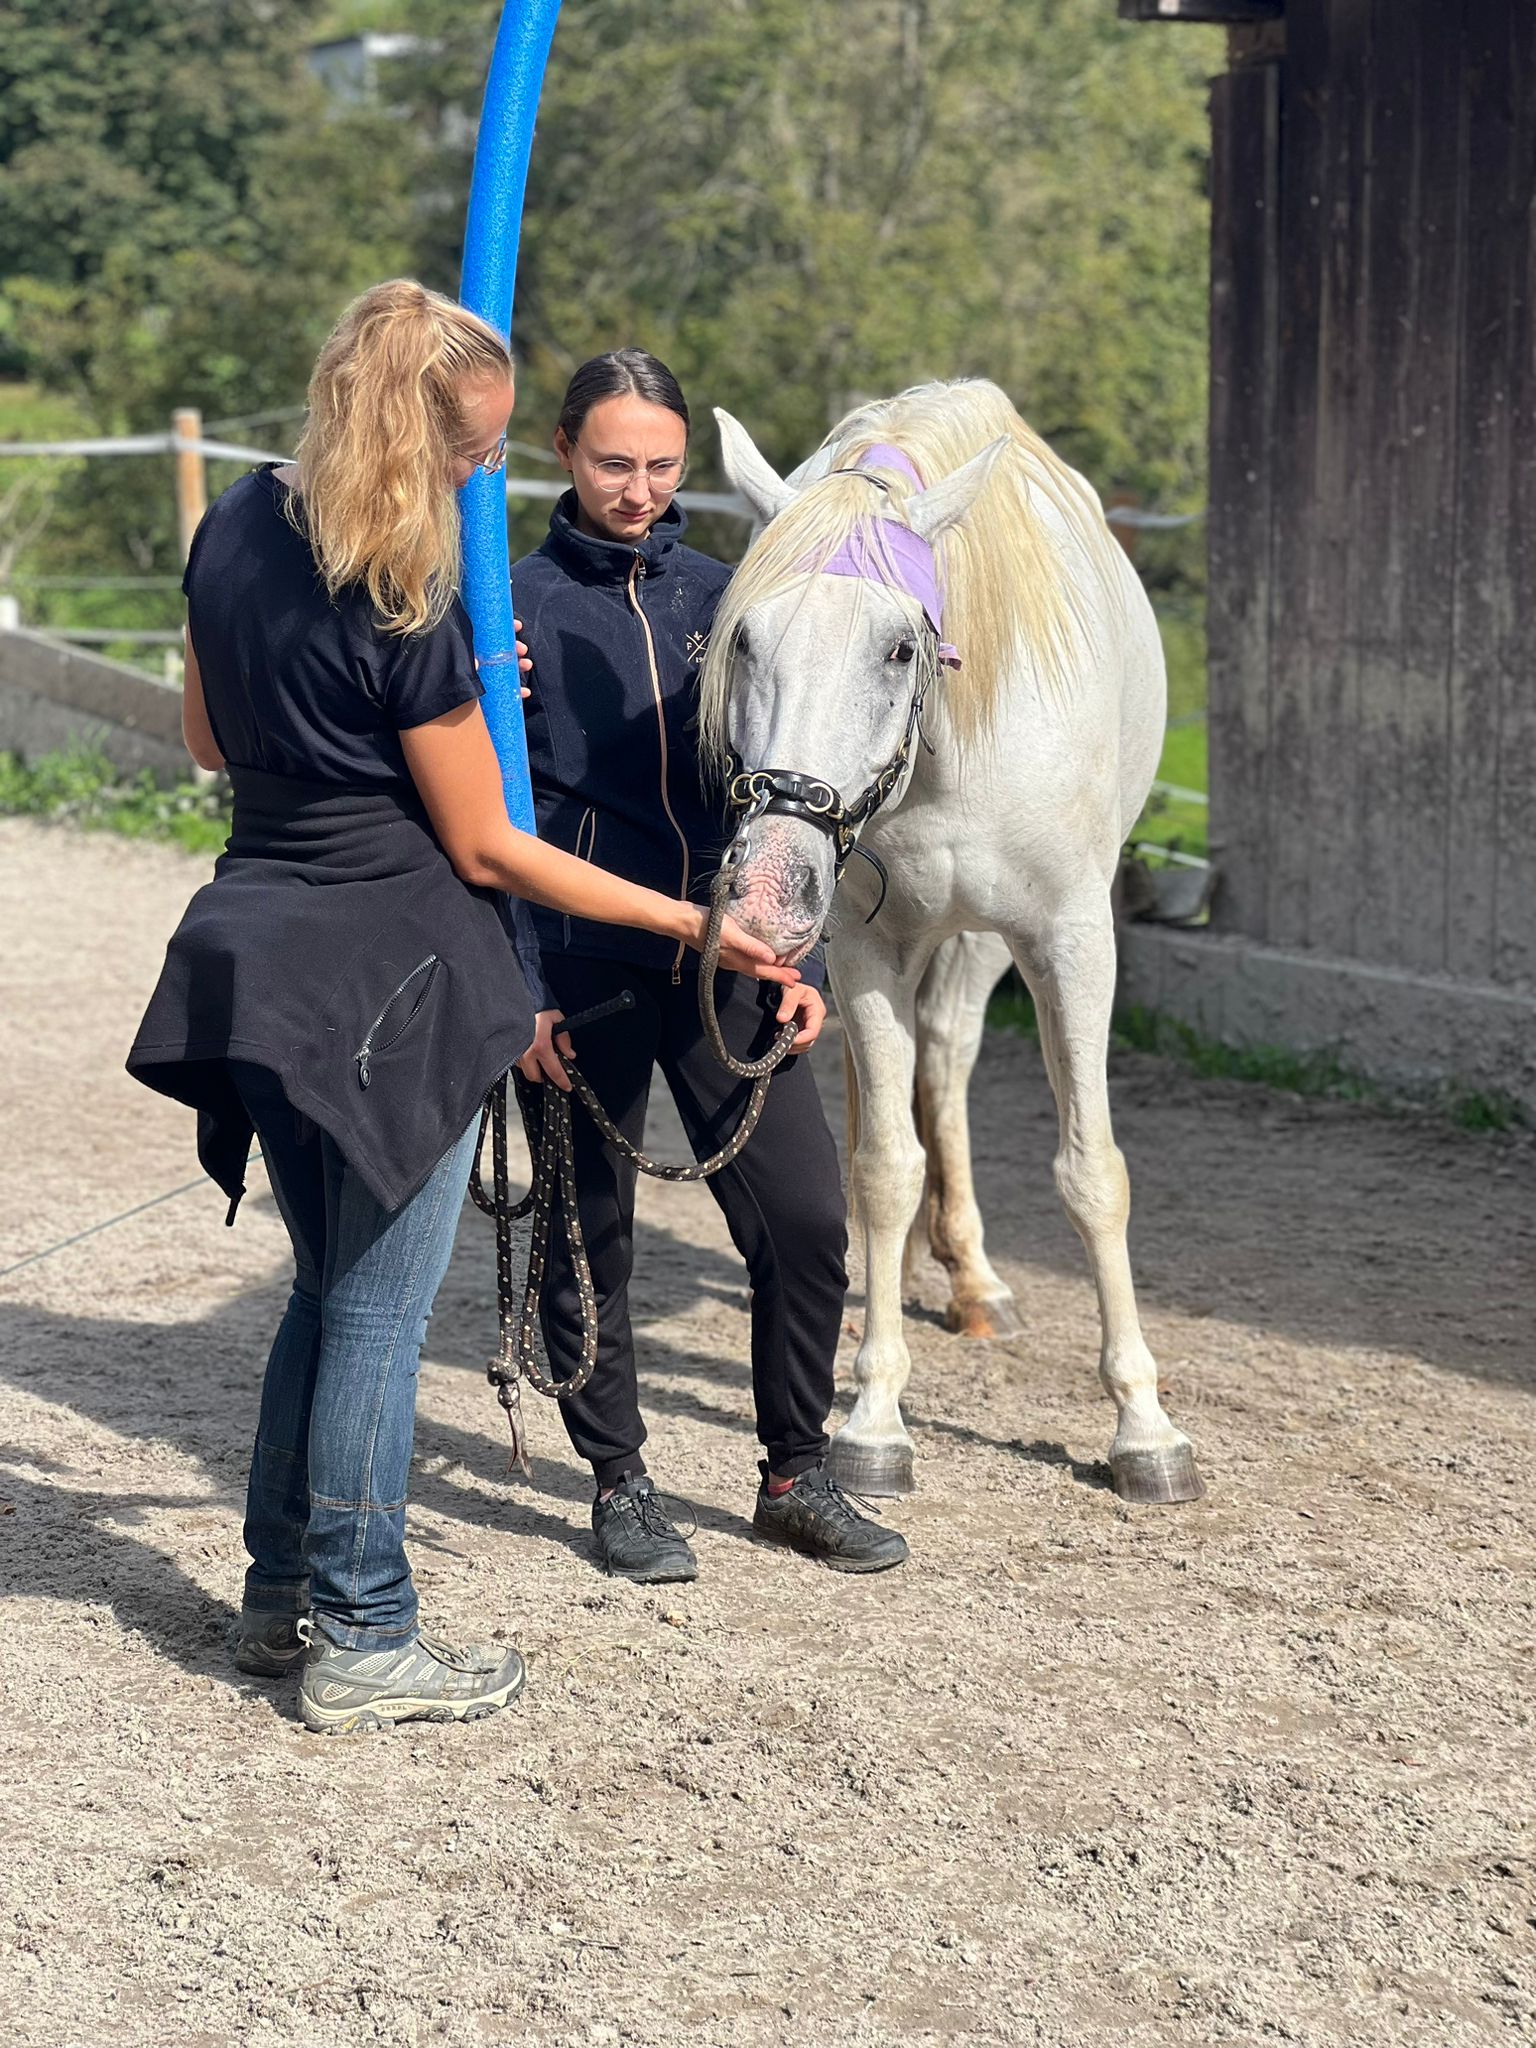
(345, 986)
(616, 614)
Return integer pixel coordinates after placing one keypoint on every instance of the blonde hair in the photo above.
(1005, 582)
(384, 426)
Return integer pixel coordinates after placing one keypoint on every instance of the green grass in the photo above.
(28, 413)
(83, 788)
(1315, 1074)
(1167, 821)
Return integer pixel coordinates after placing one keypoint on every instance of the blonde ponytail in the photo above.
(376, 456)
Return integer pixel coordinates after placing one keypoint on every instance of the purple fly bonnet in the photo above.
(903, 560)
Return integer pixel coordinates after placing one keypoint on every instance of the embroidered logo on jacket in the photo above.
(696, 647)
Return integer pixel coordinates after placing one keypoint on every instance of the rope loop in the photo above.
(547, 1125)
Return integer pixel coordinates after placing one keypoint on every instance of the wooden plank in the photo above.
(1485, 626)
(1245, 114)
(1289, 810)
(1514, 962)
(1406, 618)
(1339, 522)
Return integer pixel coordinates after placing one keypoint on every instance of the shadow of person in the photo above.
(76, 1544)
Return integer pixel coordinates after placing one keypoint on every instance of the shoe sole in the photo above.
(833, 1564)
(652, 1578)
(389, 1713)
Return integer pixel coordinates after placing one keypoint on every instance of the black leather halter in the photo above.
(783, 793)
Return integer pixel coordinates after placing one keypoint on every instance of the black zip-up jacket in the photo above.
(617, 633)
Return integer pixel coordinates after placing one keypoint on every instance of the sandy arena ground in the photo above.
(1256, 1770)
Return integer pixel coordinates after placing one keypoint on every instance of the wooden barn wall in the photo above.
(1373, 487)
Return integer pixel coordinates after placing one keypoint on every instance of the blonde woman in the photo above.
(348, 986)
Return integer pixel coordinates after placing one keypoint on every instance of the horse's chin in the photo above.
(790, 943)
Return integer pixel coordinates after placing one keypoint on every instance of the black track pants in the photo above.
(782, 1200)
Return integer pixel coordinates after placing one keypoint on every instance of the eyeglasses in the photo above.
(497, 459)
(614, 475)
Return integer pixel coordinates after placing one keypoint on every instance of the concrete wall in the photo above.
(1412, 1030)
(53, 698)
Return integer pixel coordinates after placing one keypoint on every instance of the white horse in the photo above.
(995, 797)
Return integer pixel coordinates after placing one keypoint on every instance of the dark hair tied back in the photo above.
(622, 373)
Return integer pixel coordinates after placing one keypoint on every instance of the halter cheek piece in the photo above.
(780, 792)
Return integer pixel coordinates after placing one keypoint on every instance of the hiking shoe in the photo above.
(816, 1517)
(636, 1537)
(352, 1692)
(267, 1645)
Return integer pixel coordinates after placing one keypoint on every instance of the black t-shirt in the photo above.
(297, 682)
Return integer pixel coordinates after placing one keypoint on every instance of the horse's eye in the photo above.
(742, 649)
(903, 651)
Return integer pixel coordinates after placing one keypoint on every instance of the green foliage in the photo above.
(1271, 1066)
(183, 217)
(83, 788)
(1313, 1074)
(1479, 1111)
(798, 202)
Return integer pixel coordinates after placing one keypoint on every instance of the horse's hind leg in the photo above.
(1074, 990)
(951, 1011)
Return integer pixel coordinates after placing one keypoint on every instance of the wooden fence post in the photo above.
(1122, 500)
(191, 474)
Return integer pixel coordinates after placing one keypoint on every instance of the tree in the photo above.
(182, 216)
(801, 201)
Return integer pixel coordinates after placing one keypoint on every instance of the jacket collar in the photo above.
(610, 561)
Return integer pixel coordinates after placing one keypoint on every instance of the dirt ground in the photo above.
(1255, 1770)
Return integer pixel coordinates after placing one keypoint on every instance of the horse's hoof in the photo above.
(1157, 1478)
(883, 1470)
(984, 1321)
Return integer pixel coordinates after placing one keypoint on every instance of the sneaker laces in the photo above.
(839, 1500)
(650, 1508)
(445, 1653)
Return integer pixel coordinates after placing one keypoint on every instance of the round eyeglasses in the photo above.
(614, 475)
(497, 459)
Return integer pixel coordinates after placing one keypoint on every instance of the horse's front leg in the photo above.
(951, 1011)
(1074, 986)
(876, 997)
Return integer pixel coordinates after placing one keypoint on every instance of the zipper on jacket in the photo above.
(367, 1049)
(636, 572)
(588, 826)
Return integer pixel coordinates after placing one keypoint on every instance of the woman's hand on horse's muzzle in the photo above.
(740, 952)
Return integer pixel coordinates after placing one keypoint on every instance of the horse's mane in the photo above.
(1005, 581)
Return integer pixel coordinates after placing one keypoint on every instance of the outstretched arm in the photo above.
(455, 769)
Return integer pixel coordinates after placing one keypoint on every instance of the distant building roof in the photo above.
(349, 67)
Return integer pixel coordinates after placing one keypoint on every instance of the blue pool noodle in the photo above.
(491, 233)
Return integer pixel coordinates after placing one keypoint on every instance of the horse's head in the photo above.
(826, 648)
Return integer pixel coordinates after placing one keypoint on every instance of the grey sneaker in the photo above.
(637, 1539)
(267, 1645)
(352, 1692)
(816, 1517)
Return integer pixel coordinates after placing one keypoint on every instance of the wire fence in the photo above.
(188, 443)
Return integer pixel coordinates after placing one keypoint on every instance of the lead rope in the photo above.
(546, 1113)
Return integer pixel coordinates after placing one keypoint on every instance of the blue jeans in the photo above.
(325, 1511)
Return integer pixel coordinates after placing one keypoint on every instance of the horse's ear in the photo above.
(947, 502)
(751, 473)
